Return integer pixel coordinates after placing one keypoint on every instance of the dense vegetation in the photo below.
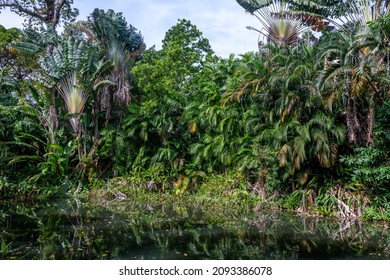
(303, 121)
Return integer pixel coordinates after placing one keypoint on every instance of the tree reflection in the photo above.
(74, 229)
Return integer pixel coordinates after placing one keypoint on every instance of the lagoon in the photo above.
(78, 229)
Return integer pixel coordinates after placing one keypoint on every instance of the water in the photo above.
(73, 229)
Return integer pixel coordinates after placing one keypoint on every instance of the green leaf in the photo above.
(3, 246)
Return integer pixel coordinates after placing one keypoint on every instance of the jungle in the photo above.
(180, 144)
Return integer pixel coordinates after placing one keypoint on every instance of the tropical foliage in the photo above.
(305, 115)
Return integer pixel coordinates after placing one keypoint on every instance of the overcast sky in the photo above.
(223, 22)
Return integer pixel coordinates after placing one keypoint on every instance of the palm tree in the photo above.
(305, 146)
(121, 44)
(353, 63)
(76, 72)
(280, 30)
(352, 76)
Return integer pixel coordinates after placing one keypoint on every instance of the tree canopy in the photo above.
(48, 12)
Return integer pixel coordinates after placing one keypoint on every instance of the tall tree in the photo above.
(9, 70)
(170, 70)
(165, 78)
(122, 44)
(47, 12)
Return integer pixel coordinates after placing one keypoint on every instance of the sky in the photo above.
(223, 22)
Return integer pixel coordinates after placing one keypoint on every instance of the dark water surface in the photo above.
(73, 229)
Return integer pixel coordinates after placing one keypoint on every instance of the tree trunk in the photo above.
(259, 189)
(352, 121)
(370, 125)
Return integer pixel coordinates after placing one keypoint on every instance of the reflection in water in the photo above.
(71, 229)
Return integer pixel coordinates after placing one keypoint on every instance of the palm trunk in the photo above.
(52, 124)
(371, 114)
(353, 125)
(108, 113)
(259, 189)
(77, 126)
(96, 113)
(370, 125)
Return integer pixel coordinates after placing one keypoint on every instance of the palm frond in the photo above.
(70, 90)
(284, 155)
(24, 158)
(276, 28)
(102, 83)
(253, 5)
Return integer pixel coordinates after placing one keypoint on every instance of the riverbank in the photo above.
(233, 193)
(225, 191)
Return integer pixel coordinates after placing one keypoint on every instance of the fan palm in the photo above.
(75, 99)
(362, 12)
(276, 28)
(76, 72)
(121, 44)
